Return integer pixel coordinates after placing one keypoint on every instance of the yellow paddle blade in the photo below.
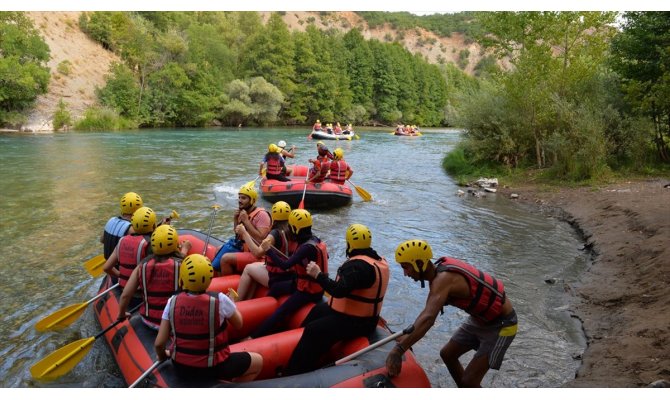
(61, 318)
(61, 361)
(174, 215)
(418, 133)
(94, 265)
(356, 136)
(362, 192)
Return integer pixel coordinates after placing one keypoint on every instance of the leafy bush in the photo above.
(61, 117)
(102, 119)
(64, 67)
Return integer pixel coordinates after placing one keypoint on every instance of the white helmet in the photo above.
(281, 144)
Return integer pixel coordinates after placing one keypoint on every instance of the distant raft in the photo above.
(346, 135)
(317, 195)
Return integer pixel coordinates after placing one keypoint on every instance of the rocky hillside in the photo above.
(89, 62)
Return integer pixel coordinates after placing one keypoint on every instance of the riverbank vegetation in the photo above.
(583, 101)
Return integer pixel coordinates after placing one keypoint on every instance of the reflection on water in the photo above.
(59, 190)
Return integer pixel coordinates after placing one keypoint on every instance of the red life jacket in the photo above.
(130, 251)
(365, 302)
(287, 247)
(338, 171)
(305, 282)
(322, 167)
(158, 282)
(200, 337)
(487, 294)
(274, 164)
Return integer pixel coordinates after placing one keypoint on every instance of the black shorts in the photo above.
(235, 365)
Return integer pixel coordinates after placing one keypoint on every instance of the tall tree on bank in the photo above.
(23, 71)
(641, 55)
(557, 60)
(270, 53)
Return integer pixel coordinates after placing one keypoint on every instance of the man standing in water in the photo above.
(489, 330)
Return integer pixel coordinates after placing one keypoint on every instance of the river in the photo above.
(58, 190)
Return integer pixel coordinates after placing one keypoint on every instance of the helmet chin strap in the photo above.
(421, 278)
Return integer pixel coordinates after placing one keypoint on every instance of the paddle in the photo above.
(67, 315)
(61, 361)
(304, 190)
(252, 183)
(146, 373)
(209, 230)
(95, 264)
(361, 192)
(373, 346)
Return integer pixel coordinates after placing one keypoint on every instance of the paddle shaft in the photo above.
(145, 374)
(373, 346)
(209, 230)
(304, 190)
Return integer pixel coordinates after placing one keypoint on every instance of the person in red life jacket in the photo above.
(357, 296)
(279, 281)
(120, 226)
(290, 153)
(197, 322)
(490, 328)
(317, 126)
(340, 170)
(156, 276)
(321, 165)
(257, 221)
(338, 129)
(132, 248)
(274, 164)
(310, 248)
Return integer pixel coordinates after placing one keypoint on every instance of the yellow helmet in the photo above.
(298, 220)
(412, 251)
(318, 121)
(338, 153)
(248, 190)
(319, 144)
(144, 220)
(358, 237)
(280, 211)
(195, 273)
(164, 240)
(130, 202)
(272, 148)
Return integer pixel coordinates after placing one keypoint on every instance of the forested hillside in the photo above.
(78, 67)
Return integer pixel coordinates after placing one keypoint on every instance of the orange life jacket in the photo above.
(487, 294)
(201, 339)
(245, 247)
(365, 302)
(130, 251)
(158, 282)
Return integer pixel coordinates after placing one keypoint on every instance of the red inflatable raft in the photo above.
(317, 195)
(131, 344)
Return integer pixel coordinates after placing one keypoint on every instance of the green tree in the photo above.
(641, 55)
(23, 71)
(558, 62)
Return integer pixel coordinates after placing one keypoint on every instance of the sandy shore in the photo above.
(623, 299)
